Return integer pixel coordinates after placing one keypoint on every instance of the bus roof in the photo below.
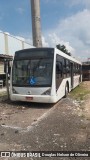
(57, 51)
(67, 56)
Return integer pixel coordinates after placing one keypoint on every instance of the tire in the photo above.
(66, 90)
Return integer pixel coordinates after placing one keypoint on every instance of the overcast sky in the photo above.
(62, 21)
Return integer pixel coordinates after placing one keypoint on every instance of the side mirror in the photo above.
(9, 70)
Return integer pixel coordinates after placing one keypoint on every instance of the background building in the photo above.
(86, 71)
(8, 45)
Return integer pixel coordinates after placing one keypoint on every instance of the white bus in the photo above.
(43, 75)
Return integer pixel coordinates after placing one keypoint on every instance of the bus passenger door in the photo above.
(72, 74)
(59, 74)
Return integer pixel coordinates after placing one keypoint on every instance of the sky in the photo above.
(62, 22)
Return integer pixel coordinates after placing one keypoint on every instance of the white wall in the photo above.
(9, 44)
(2, 43)
(26, 45)
(13, 45)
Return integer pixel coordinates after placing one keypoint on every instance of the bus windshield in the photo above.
(32, 72)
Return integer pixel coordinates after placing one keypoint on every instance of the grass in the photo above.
(3, 94)
(80, 92)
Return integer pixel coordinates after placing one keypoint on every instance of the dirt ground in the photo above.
(64, 126)
(85, 106)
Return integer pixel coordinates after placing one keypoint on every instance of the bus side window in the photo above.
(67, 67)
(59, 68)
(64, 67)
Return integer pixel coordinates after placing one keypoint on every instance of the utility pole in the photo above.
(36, 23)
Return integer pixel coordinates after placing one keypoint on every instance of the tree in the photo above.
(63, 49)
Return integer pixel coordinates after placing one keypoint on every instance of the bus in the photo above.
(43, 75)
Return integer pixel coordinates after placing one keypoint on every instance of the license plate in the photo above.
(29, 98)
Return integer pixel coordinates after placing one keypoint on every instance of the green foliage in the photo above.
(3, 94)
(63, 49)
(79, 92)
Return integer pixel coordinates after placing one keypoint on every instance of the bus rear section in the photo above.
(32, 76)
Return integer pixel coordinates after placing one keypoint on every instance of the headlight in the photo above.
(47, 92)
(14, 91)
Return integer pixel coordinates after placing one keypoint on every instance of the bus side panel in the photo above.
(76, 81)
(61, 89)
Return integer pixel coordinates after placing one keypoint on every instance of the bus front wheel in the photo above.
(66, 90)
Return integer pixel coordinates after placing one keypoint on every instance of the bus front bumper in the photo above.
(33, 98)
